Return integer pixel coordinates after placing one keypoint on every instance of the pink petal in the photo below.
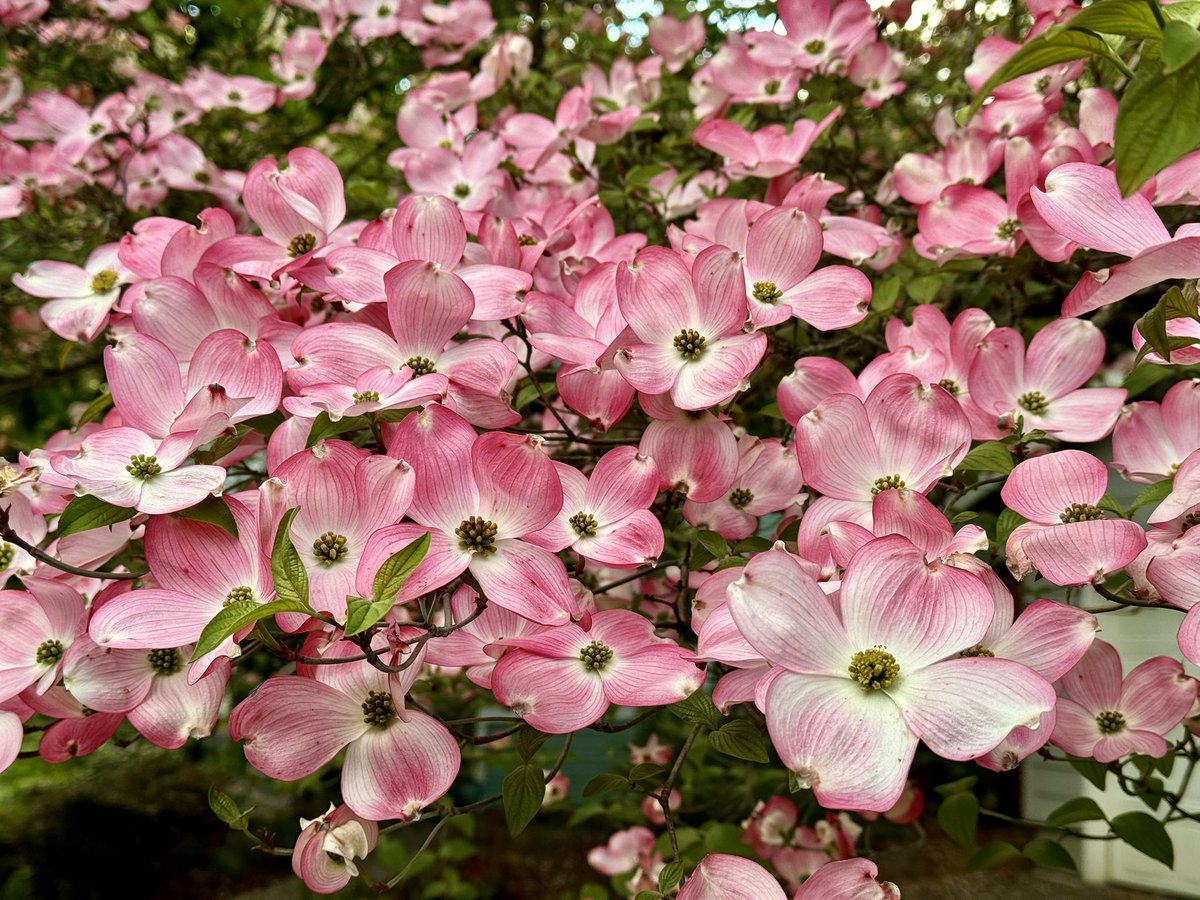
(1084, 552)
(697, 455)
(1083, 202)
(396, 772)
(847, 879)
(1085, 415)
(622, 482)
(246, 368)
(656, 297)
(1062, 356)
(830, 298)
(1043, 487)
(853, 748)
(720, 372)
(427, 306)
(723, 877)
(1178, 259)
(499, 291)
(963, 708)
(813, 379)
(783, 247)
(1157, 695)
(175, 711)
(443, 562)
(519, 489)
(720, 292)
(920, 430)
(635, 540)
(555, 696)
(152, 618)
(836, 455)
(1189, 636)
(526, 579)
(1048, 637)
(910, 514)
(144, 378)
(170, 492)
(429, 228)
(1095, 681)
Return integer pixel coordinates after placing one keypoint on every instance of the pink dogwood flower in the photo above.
(859, 686)
(327, 847)
(696, 454)
(1105, 716)
(41, 624)
(1044, 384)
(564, 679)
(80, 299)
(675, 40)
(686, 328)
(1151, 440)
(1067, 538)
(473, 646)
(768, 480)
(723, 877)
(398, 760)
(770, 151)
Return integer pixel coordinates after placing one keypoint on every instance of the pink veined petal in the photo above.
(1075, 728)
(830, 298)
(720, 372)
(152, 618)
(919, 613)
(656, 675)
(175, 711)
(292, 726)
(1083, 202)
(313, 865)
(697, 455)
(443, 562)
(437, 443)
(1085, 415)
(11, 735)
(394, 773)
(427, 306)
(384, 489)
(553, 695)
(997, 373)
(652, 368)
(143, 376)
(1112, 747)
(920, 430)
(246, 368)
(656, 296)
(963, 708)
(1018, 744)
(107, 681)
(1142, 448)
(69, 738)
(632, 541)
(1048, 637)
(558, 534)
(429, 228)
(1043, 487)
(1178, 259)
(78, 318)
(813, 379)
(720, 287)
(786, 616)
(852, 747)
(722, 640)
(1157, 695)
(847, 879)
(49, 279)
(1189, 636)
(519, 489)
(498, 290)
(526, 579)
(723, 877)
(782, 248)
(1062, 356)
(1084, 552)
(837, 450)
(339, 353)
(356, 273)
(622, 482)
(740, 686)
(199, 558)
(170, 492)
(910, 514)
(1095, 681)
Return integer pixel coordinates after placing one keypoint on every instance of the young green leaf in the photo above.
(991, 456)
(958, 815)
(396, 569)
(287, 569)
(236, 616)
(523, 790)
(1081, 809)
(1158, 121)
(88, 512)
(323, 427)
(214, 511)
(740, 739)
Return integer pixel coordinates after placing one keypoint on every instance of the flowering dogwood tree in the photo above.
(457, 380)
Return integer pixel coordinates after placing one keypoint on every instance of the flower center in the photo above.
(771, 88)
(977, 650)
(1034, 402)
(7, 552)
(1042, 84)
(1192, 518)
(420, 365)
(1110, 722)
(240, 594)
(585, 524)
(1081, 512)
(951, 386)
(815, 46)
(596, 656)
(874, 669)
(462, 190)
(49, 652)
(165, 662)
(887, 483)
(366, 396)
(379, 709)
(526, 240)
(767, 292)
(104, 281)
(690, 343)
(741, 498)
(1007, 230)
(143, 467)
(477, 535)
(301, 244)
(329, 548)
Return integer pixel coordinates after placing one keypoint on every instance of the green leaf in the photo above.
(740, 739)
(1155, 493)
(1145, 377)
(1006, 524)
(214, 511)
(1096, 773)
(990, 456)
(958, 816)
(697, 709)
(227, 810)
(1128, 18)
(644, 771)
(94, 409)
(88, 512)
(1109, 502)
(362, 613)
(671, 875)
(236, 616)
(222, 446)
(530, 741)
(291, 578)
(1180, 303)
(396, 569)
(753, 544)
(1055, 45)
(963, 518)
(1081, 809)
(324, 427)
(992, 854)
(713, 543)
(523, 791)
(1181, 44)
(925, 288)
(1158, 122)
(648, 895)
(1047, 853)
(885, 294)
(604, 782)
(960, 786)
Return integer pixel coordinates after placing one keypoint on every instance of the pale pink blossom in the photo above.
(325, 852)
